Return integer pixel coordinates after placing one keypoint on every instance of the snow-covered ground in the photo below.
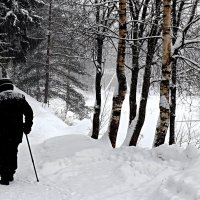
(72, 166)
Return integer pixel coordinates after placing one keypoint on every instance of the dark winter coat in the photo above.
(13, 108)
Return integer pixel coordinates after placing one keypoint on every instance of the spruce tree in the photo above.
(66, 63)
(18, 21)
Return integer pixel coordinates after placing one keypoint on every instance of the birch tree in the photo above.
(163, 120)
(119, 96)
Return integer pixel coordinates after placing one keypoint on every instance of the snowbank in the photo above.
(76, 167)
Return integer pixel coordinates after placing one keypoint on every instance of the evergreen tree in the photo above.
(63, 48)
(18, 21)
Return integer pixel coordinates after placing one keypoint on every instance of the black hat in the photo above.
(6, 84)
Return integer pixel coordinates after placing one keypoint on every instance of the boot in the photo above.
(5, 178)
(4, 182)
(10, 178)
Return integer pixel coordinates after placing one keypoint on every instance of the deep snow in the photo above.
(72, 166)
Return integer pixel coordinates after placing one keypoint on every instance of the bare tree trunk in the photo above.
(47, 67)
(163, 120)
(137, 31)
(173, 104)
(133, 88)
(175, 22)
(135, 61)
(38, 94)
(151, 48)
(97, 108)
(67, 93)
(144, 96)
(120, 70)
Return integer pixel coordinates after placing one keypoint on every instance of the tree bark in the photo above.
(135, 61)
(121, 77)
(173, 104)
(38, 94)
(99, 51)
(97, 108)
(163, 120)
(133, 88)
(175, 22)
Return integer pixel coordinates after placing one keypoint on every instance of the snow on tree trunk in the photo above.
(120, 70)
(163, 121)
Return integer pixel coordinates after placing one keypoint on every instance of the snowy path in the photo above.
(25, 190)
(78, 168)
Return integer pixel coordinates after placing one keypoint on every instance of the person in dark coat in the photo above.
(16, 117)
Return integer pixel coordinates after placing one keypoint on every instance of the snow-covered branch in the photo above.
(196, 65)
(187, 42)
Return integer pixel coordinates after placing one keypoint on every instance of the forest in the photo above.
(57, 49)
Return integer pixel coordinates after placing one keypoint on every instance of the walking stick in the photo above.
(32, 158)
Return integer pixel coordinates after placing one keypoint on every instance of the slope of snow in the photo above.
(45, 124)
(75, 167)
(72, 166)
